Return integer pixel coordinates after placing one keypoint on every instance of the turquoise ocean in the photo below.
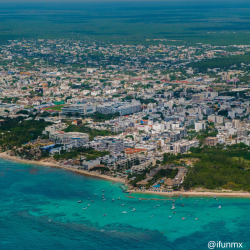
(40, 210)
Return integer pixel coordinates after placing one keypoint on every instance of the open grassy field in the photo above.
(56, 108)
(215, 22)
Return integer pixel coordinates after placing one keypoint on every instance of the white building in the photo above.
(81, 109)
(199, 126)
(75, 139)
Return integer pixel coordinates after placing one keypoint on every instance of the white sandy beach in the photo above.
(56, 165)
(117, 179)
(195, 193)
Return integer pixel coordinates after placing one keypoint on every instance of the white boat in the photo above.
(173, 207)
(85, 207)
(79, 201)
(104, 199)
(219, 207)
(122, 204)
(92, 201)
(88, 205)
(169, 216)
(103, 190)
(113, 200)
(158, 205)
(119, 198)
(133, 210)
(104, 215)
(196, 218)
(124, 212)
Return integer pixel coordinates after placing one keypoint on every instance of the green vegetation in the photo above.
(17, 131)
(218, 167)
(91, 132)
(56, 108)
(79, 153)
(98, 117)
(133, 24)
(169, 173)
(223, 62)
(206, 133)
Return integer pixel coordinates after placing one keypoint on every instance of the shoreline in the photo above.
(195, 193)
(211, 193)
(4, 155)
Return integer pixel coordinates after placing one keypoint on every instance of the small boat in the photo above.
(104, 199)
(85, 207)
(103, 194)
(119, 198)
(79, 201)
(219, 207)
(88, 198)
(152, 215)
(169, 216)
(215, 197)
(173, 207)
(88, 205)
(124, 212)
(140, 199)
(183, 218)
(174, 212)
(130, 207)
(182, 205)
(196, 218)
(207, 213)
(113, 200)
(158, 205)
(103, 190)
(92, 201)
(173, 201)
(133, 210)
(122, 204)
(104, 215)
(95, 194)
(191, 196)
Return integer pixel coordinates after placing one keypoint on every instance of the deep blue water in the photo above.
(40, 210)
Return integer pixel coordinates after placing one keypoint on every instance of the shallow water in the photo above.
(40, 210)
